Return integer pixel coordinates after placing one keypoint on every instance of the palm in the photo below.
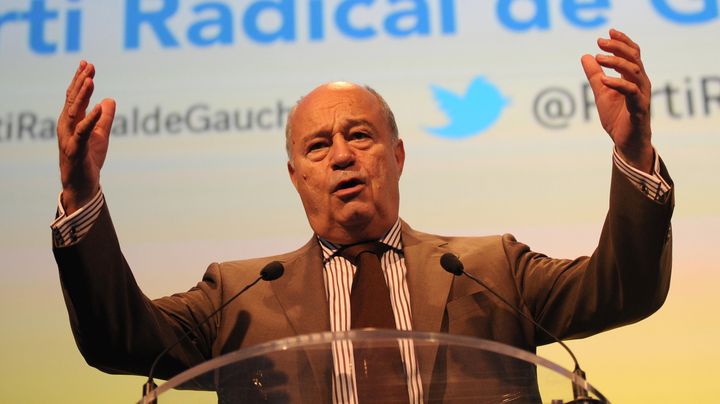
(614, 115)
(88, 157)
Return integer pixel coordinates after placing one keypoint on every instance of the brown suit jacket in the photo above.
(119, 330)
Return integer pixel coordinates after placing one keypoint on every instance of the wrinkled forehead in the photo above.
(334, 105)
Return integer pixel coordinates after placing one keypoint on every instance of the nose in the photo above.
(341, 154)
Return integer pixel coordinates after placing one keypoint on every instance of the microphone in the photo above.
(451, 263)
(269, 272)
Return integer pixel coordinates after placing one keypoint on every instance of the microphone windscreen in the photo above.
(272, 271)
(452, 264)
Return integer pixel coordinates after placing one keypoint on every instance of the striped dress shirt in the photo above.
(338, 275)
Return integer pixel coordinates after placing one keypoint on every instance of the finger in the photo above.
(83, 99)
(88, 70)
(71, 97)
(627, 88)
(84, 129)
(104, 124)
(628, 70)
(621, 49)
(75, 78)
(72, 89)
(620, 36)
(75, 112)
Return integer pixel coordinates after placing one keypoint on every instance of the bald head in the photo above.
(339, 86)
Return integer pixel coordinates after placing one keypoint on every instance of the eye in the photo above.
(359, 135)
(316, 146)
(317, 149)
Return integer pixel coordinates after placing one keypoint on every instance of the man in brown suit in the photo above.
(345, 160)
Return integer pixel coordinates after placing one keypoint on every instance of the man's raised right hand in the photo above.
(82, 139)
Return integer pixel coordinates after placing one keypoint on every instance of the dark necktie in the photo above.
(379, 371)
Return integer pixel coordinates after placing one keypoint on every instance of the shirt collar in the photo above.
(392, 238)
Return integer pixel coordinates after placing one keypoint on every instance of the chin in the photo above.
(356, 218)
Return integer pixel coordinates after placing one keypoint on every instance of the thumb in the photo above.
(104, 124)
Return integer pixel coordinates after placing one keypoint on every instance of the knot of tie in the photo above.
(353, 252)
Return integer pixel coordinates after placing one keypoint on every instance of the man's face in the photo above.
(345, 163)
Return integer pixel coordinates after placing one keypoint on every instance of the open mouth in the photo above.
(348, 184)
(349, 187)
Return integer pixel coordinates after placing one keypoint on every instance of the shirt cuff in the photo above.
(69, 230)
(652, 185)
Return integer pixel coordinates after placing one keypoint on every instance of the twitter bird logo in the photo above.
(470, 114)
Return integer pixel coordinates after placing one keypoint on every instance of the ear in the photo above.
(291, 171)
(399, 155)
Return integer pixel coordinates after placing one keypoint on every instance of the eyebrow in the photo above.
(360, 122)
(351, 123)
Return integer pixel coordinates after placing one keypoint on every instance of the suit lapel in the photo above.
(429, 288)
(429, 284)
(301, 293)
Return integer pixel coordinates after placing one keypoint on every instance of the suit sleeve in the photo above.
(116, 327)
(626, 278)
